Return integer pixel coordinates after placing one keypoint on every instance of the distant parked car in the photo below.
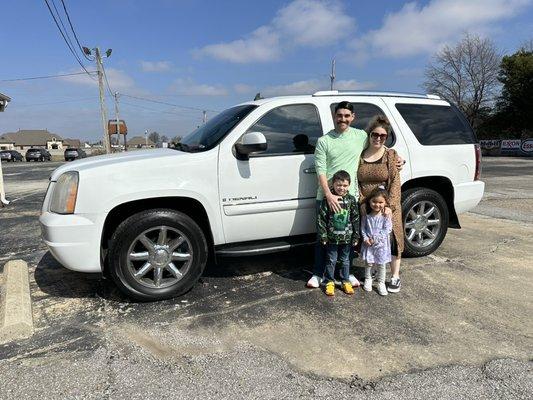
(10, 155)
(73, 153)
(38, 154)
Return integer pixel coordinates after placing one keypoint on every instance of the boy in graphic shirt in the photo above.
(339, 232)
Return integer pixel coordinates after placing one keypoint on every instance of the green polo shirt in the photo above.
(335, 151)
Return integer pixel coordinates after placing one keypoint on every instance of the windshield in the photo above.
(210, 134)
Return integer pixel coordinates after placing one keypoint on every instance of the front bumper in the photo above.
(73, 240)
(468, 195)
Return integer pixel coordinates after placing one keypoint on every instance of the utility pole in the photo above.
(204, 117)
(118, 123)
(332, 76)
(103, 109)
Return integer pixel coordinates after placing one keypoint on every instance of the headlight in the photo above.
(65, 192)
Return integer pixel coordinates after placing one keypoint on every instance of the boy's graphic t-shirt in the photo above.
(341, 227)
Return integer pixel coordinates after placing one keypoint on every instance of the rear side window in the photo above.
(364, 112)
(436, 125)
(289, 129)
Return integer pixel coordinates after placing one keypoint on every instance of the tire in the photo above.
(139, 241)
(425, 221)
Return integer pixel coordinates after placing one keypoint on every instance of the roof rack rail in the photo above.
(374, 93)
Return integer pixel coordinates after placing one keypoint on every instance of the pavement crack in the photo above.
(502, 242)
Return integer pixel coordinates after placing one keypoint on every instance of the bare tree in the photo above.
(465, 74)
(527, 46)
(154, 137)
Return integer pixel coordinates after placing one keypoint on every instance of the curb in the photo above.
(16, 318)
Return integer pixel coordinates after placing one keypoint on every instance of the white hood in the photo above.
(110, 160)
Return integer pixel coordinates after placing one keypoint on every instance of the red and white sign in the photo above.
(527, 146)
(510, 144)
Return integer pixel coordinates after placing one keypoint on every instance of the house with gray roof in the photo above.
(138, 142)
(25, 139)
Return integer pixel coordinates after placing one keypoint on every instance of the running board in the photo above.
(258, 247)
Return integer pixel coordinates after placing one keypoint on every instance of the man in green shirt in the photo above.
(339, 149)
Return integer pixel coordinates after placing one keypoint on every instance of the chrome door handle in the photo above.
(310, 170)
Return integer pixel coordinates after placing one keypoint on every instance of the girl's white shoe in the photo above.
(367, 286)
(382, 289)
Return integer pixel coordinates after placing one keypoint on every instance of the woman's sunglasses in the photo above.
(382, 136)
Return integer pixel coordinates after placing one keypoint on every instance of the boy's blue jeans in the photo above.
(340, 253)
(320, 252)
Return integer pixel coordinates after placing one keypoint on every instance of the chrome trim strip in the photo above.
(262, 249)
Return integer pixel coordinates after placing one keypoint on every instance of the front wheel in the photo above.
(157, 254)
(425, 221)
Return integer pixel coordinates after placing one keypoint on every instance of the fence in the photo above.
(507, 147)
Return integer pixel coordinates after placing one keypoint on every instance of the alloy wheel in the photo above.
(159, 257)
(422, 224)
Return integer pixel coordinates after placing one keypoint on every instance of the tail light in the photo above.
(477, 174)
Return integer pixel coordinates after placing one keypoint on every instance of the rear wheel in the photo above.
(157, 254)
(425, 221)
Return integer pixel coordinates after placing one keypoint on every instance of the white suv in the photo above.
(244, 183)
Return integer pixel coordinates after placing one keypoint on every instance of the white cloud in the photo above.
(156, 66)
(118, 79)
(311, 23)
(313, 85)
(262, 45)
(417, 29)
(190, 88)
(242, 88)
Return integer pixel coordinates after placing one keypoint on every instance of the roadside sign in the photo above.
(527, 146)
(510, 144)
(112, 125)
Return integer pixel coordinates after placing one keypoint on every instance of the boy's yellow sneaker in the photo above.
(347, 288)
(330, 288)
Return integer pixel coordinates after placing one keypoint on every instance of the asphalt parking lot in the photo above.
(460, 328)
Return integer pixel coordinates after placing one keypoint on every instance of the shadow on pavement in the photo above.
(55, 280)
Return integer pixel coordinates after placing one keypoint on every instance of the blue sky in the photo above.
(213, 54)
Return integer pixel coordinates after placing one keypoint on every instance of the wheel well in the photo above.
(441, 185)
(191, 207)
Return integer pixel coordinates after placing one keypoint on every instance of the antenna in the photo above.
(332, 76)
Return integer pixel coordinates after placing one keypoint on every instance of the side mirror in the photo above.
(251, 142)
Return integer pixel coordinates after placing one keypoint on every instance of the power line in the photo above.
(63, 25)
(56, 102)
(150, 109)
(106, 81)
(65, 39)
(74, 32)
(168, 104)
(45, 76)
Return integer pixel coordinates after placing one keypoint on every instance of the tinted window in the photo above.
(435, 125)
(290, 129)
(364, 112)
(212, 132)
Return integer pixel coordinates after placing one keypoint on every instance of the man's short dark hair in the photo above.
(344, 104)
(341, 176)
